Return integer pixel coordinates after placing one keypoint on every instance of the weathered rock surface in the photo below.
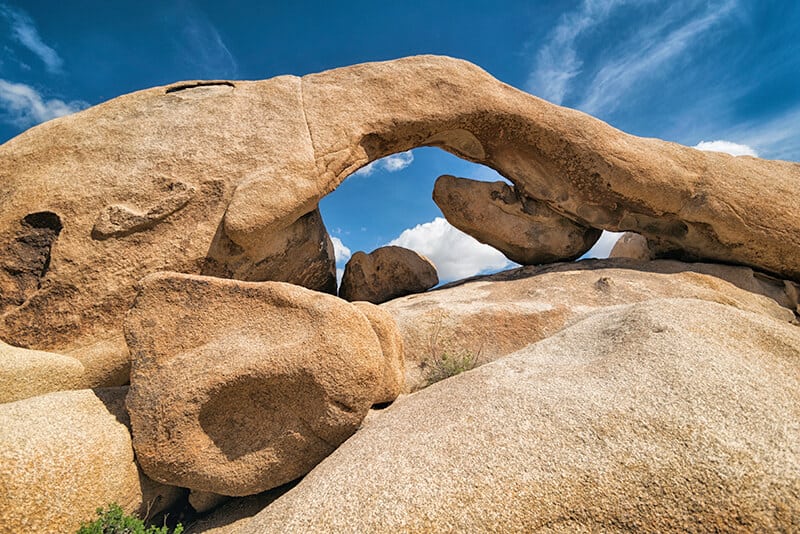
(64, 455)
(239, 387)
(631, 245)
(525, 230)
(386, 273)
(196, 177)
(495, 315)
(26, 373)
(665, 416)
(394, 367)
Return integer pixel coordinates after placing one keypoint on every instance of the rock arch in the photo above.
(258, 156)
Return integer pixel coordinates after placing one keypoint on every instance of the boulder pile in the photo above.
(170, 338)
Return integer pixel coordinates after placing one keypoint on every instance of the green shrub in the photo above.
(115, 521)
(444, 359)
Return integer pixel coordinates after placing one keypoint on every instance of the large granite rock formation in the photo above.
(239, 387)
(65, 454)
(525, 230)
(664, 416)
(386, 273)
(495, 315)
(207, 177)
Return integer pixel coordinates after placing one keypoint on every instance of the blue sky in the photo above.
(725, 73)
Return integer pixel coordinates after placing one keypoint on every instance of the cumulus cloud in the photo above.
(24, 106)
(455, 254)
(393, 163)
(341, 251)
(23, 30)
(603, 247)
(734, 149)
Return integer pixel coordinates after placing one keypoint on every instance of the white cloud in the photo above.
(393, 163)
(198, 42)
(734, 149)
(24, 106)
(603, 247)
(623, 62)
(557, 62)
(24, 31)
(340, 250)
(455, 254)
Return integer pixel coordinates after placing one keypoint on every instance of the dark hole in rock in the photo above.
(25, 257)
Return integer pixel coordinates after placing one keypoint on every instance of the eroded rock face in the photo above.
(495, 315)
(239, 387)
(394, 380)
(631, 245)
(386, 273)
(66, 454)
(525, 230)
(199, 176)
(664, 416)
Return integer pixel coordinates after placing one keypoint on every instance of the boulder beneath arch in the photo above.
(386, 273)
(525, 230)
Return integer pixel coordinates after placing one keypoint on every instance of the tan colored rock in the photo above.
(664, 416)
(631, 245)
(495, 315)
(64, 455)
(525, 230)
(394, 380)
(386, 273)
(94, 202)
(198, 176)
(27, 373)
(239, 387)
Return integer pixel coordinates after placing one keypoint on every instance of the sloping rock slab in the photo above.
(665, 416)
(492, 316)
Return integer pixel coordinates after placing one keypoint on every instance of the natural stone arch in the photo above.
(691, 204)
(258, 156)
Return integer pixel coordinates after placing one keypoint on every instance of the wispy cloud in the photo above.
(23, 106)
(393, 163)
(557, 62)
(620, 61)
(200, 44)
(455, 254)
(649, 51)
(23, 30)
(734, 149)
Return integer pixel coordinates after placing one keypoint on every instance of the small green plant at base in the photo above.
(116, 521)
(450, 362)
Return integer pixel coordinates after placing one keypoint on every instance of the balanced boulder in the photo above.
(65, 454)
(525, 230)
(27, 373)
(386, 273)
(674, 415)
(239, 387)
(495, 315)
